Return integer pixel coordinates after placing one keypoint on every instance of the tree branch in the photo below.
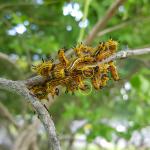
(7, 5)
(122, 25)
(6, 58)
(26, 137)
(102, 22)
(121, 55)
(20, 88)
(5, 113)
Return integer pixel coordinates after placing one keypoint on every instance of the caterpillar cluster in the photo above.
(71, 73)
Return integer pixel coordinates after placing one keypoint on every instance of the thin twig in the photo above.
(6, 58)
(114, 28)
(7, 5)
(20, 88)
(4, 112)
(26, 137)
(121, 55)
(10, 63)
(35, 81)
(102, 22)
(122, 25)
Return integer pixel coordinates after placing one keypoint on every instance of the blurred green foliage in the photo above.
(45, 29)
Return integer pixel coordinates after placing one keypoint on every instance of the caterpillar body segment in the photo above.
(96, 82)
(62, 58)
(72, 86)
(104, 80)
(96, 78)
(52, 88)
(80, 62)
(44, 68)
(39, 91)
(113, 71)
(112, 45)
(82, 50)
(105, 49)
(59, 71)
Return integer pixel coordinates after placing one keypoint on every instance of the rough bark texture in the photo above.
(20, 88)
(123, 54)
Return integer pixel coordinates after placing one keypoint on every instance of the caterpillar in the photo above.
(58, 71)
(39, 91)
(72, 73)
(104, 80)
(44, 68)
(96, 78)
(79, 61)
(113, 71)
(105, 49)
(62, 58)
(83, 50)
(52, 88)
(71, 86)
(111, 45)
